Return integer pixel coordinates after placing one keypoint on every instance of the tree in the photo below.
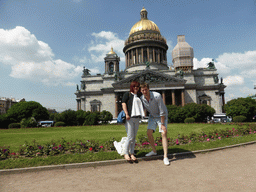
(68, 117)
(177, 114)
(174, 115)
(241, 107)
(27, 109)
(80, 116)
(198, 111)
(105, 116)
(4, 122)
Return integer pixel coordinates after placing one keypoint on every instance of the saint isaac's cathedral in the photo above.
(145, 61)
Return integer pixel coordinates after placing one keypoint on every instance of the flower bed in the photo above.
(30, 150)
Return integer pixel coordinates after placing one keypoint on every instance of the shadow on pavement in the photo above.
(174, 154)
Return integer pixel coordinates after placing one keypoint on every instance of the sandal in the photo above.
(128, 159)
(134, 159)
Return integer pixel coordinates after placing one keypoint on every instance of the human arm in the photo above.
(124, 106)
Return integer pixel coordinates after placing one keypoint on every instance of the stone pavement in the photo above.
(231, 169)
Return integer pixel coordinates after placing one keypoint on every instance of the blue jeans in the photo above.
(131, 126)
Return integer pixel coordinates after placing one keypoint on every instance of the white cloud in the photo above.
(201, 64)
(102, 44)
(238, 60)
(33, 59)
(233, 80)
(249, 73)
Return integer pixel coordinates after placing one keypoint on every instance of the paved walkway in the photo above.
(226, 170)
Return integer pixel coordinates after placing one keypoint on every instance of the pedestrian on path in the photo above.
(134, 111)
(158, 116)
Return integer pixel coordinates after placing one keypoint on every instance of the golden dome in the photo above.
(111, 52)
(144, 24)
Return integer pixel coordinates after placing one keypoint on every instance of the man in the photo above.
(158, 116)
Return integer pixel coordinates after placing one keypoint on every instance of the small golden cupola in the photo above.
(145, 46)
(111, 62)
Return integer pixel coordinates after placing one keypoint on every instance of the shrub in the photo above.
(60, 124)
(177, 114)
(241, 107)
(92, 119)
(105, 117)
(29, 122)
(14, 125)
(240, 118)
(189, 120)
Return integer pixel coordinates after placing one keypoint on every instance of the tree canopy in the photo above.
(241, 106)
(27, 109)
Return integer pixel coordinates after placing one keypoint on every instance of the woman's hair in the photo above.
(133, 84)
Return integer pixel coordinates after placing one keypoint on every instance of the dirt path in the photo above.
(227, 170)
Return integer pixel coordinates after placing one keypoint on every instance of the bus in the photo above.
(48, 123)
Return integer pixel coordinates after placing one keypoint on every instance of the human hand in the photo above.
(163, 128)
(127, 117)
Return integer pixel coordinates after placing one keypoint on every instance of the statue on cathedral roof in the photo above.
(211, 65)
(86, 72)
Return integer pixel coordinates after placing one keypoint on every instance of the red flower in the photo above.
(90, 149)
(101, 146)
(59, 145)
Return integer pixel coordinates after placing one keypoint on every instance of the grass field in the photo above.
(16, 137)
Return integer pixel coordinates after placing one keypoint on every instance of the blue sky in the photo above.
(45, 44)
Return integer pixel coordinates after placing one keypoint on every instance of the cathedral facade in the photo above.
(146, 61)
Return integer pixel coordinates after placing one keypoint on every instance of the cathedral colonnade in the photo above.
(140, 55)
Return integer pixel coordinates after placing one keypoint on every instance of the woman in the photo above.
(133, 109)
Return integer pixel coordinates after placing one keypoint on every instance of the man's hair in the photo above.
(143, 85)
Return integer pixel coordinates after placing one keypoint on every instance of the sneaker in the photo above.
(150, 154)
(166, 161)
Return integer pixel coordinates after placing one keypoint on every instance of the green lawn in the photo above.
(16, 137)
(102, 133)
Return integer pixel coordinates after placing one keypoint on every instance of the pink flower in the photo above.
(250, 132)
(208, 139)
(155, 144)
(189, 141)
(59, 145)
(177, 142)
(101, 146)
(219, 137)
(145, 143)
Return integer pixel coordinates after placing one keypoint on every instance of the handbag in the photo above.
(121, 117)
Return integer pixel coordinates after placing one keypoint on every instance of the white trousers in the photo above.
(131, 126)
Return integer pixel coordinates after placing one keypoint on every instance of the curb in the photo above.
(112, 162)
